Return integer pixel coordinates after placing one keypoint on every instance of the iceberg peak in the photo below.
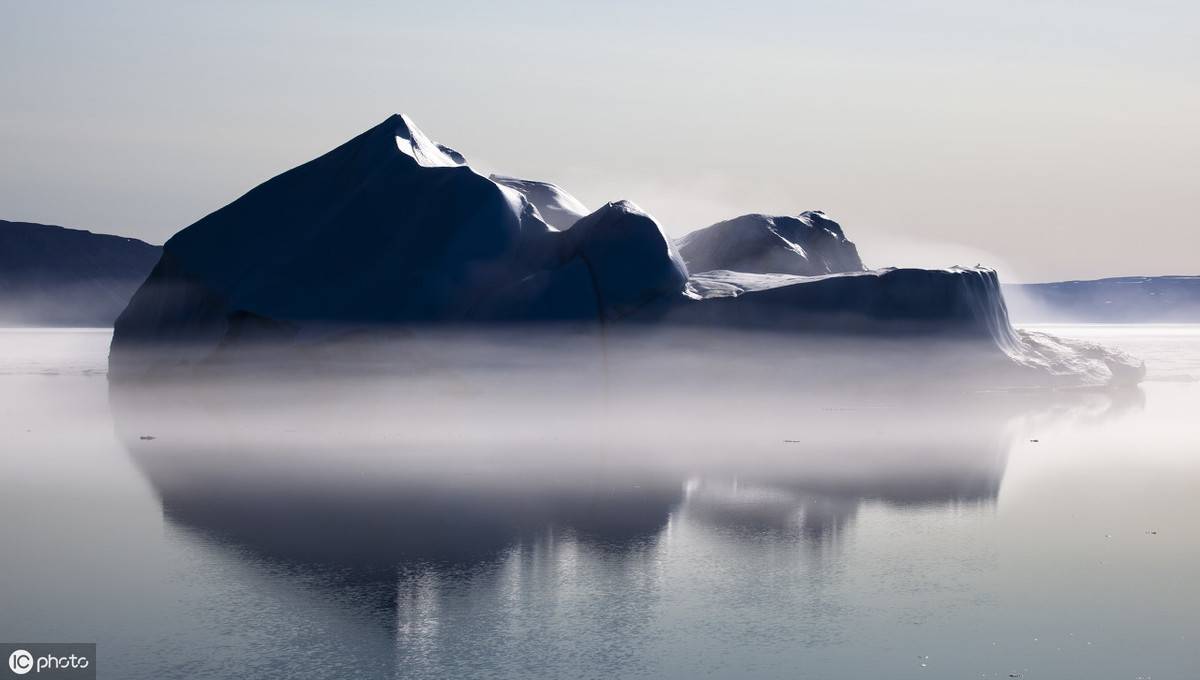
(414, 143)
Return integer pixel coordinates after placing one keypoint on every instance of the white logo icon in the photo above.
(20, 662)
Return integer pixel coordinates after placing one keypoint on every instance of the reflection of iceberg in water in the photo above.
(901, 459)
(478, 528)
(358, 482)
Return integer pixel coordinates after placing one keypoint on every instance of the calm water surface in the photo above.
(1048, 540)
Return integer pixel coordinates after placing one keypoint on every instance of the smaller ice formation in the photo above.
(928, 306)
(958, 301)
(809, 244)
(1071, 361)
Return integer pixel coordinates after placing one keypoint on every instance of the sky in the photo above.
(1049, 139)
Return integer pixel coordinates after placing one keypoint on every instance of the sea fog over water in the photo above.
(463, 520)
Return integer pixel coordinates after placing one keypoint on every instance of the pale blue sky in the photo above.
(1051, 139)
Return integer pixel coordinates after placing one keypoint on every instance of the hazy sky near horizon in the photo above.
(1050, 139)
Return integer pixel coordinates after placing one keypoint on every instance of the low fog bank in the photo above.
(91, 304)
(444, 452)
(588, 360)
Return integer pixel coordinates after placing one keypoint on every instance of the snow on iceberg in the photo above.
(558, 208)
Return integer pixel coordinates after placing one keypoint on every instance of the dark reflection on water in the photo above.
(372, 502)
(527, 536)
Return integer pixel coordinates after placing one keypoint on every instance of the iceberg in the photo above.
(393, 234)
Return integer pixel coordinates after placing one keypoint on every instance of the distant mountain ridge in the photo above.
(56, 276)
(1122, 299)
